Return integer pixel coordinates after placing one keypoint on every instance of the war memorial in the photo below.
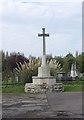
(43, 82)
(43, 98)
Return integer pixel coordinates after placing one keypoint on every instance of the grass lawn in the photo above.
(68, 87)
(15, 89)
(73, 88)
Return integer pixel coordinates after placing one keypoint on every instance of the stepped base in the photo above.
(40, 88)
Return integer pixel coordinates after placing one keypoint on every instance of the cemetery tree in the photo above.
(14, 62)
(16, 58)
(79, 63)
(82, 62)
(49, 57)
(0, 62)
(60, 60)
(5, 68)
(9, 63)
(68, 60)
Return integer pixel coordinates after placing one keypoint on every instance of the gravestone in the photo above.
(73, 72)
(43, 81)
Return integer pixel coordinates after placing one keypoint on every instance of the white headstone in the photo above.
(73, 73)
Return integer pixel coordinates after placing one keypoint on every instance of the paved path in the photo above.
(49, 105)
(69, 103)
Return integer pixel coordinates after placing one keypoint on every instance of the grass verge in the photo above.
(14, 89)
(74, 87)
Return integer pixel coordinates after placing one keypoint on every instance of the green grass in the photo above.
(74, 86)
(72, 82)
(15, 89)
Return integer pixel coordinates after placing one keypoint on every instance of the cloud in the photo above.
(42, 11)
(23, 20)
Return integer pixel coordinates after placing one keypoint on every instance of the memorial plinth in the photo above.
(44, 76)
(43, 81)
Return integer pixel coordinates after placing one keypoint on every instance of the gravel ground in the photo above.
(44, 105)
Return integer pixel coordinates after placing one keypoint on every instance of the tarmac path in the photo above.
(43, 105)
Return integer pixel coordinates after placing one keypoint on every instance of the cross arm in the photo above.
(46, 35)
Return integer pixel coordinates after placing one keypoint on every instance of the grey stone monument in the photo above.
(44, 71)
(43, 79)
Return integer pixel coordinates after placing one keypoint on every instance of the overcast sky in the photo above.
(21, 21)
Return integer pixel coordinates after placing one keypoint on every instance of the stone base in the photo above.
(44, 80)
(39, 88)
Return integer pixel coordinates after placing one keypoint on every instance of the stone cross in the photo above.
(43, 35)
(44, 48)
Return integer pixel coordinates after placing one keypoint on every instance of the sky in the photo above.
(22, 20)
